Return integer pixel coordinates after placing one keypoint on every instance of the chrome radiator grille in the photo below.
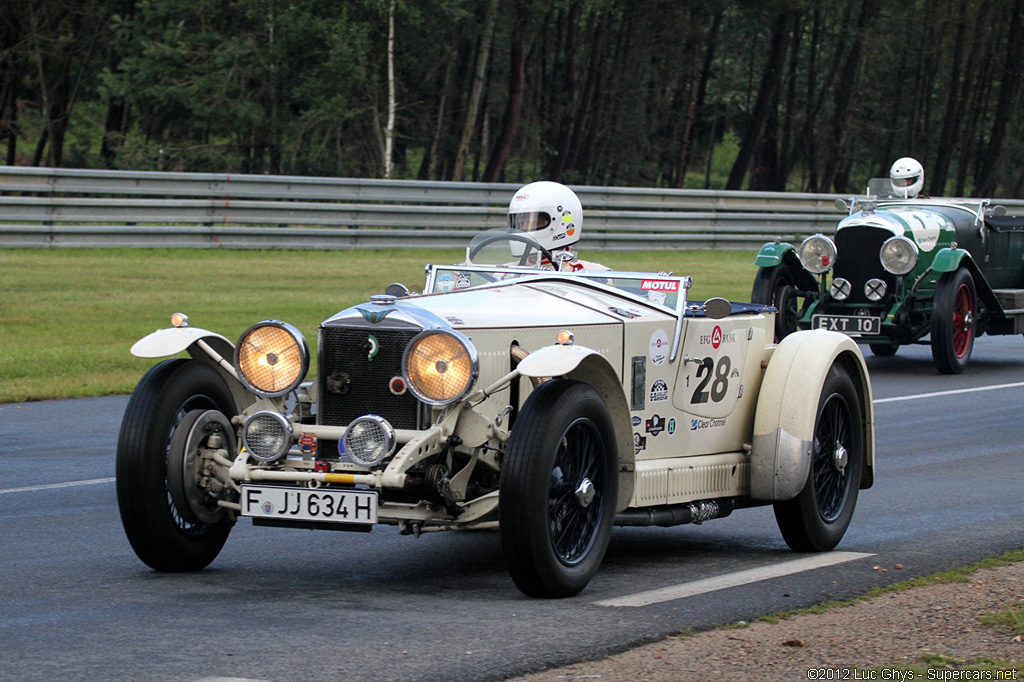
(355, 374)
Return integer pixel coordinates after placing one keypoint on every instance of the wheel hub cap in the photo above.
(840, 457)
(585, 492)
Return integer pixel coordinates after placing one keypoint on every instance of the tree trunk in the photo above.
(514, 104)
(389, 130)
(766, 98)
(1011, 72)
(483, 53)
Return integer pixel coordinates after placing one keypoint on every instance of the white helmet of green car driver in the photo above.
(549, 211)
(907, 177)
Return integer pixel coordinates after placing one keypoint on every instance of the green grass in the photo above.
(69, 316)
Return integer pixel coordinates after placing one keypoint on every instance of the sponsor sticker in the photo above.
(659, 391)
(659, 285)
(655, 425)
(658, 351)
(672, 427)
(636, 421)
(445, 282)
(699, 424)
(639, 443)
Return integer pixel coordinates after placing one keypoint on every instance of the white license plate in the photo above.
(852, 325)
(288, 503)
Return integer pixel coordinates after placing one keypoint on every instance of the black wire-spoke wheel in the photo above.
(573, 517)
(558, 489)
(167, 532)
(817, 518)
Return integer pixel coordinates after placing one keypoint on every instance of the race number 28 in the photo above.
(717, 375)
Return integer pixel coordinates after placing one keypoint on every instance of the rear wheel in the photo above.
(171, 523)
(558, 489)
(817, 518)
(954, 314)
(776, 286)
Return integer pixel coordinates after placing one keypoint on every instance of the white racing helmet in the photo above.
(549, 211)
(907, 176)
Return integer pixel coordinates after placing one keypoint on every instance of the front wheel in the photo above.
(776, 286)
(954, 313)
(558, 490)
(171, 522)
(817, 518)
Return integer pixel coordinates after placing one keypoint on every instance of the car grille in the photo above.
(858, 260)
(351, 384)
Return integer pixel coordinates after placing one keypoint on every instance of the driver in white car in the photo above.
(552, 214)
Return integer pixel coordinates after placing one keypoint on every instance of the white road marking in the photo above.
(736, 579)
(50, 486)
(953, 392)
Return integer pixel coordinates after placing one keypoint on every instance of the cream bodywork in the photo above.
(711, 424)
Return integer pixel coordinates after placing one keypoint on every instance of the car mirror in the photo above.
(717, 308)
(842, 205)
(997, 211)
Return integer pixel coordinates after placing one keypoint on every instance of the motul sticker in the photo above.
(659, 285)
(658, 347)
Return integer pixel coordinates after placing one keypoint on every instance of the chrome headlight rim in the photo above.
(816, 264)
(474, 367)
(875, 289)
(288, 434)
(840, 289)
(300, 341)
(910, 252)
(387, 433)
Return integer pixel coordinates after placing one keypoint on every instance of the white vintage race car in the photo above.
(550, 405)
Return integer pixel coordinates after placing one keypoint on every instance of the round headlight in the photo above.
(440, 366)
(898, 255)
(840, 289)
(267, 436)
(818, 254)
(369, 439)
(272, 358)
(875, 289)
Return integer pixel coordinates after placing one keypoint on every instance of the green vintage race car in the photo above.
(898, 270)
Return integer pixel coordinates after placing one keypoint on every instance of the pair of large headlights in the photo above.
(898, 254)
(439, 365)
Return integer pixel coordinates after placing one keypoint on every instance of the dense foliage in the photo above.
(776, 95)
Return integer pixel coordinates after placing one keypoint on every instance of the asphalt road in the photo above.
(76, 604)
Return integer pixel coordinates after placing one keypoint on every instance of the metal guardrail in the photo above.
(62, 207)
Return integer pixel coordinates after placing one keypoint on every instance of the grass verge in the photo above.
(69, 316)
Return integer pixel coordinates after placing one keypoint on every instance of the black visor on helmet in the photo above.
(528, 222)
(905, 182)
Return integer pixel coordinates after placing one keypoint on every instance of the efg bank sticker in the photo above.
(658, 351)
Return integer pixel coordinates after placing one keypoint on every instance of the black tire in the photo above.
(776, 286)
(160, 534)
(555, 527)
(817, 518)
(884, 350)
(954, 319)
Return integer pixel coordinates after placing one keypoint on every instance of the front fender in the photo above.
(787, 409)
(553, 361)
(772, 254)
(167, 342)
(948, 259)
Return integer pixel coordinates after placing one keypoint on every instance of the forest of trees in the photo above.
(795, 95)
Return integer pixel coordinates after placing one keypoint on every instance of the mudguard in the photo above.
(553, 361)
(167, 342)
(787, 406)
(948, 259)
(772, 254)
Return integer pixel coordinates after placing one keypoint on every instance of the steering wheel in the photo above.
(514, 238)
